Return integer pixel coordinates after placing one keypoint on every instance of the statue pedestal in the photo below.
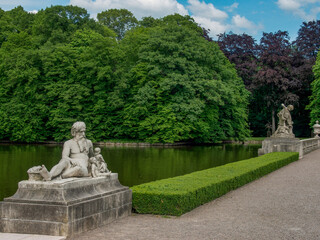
(274, 144)
(65, 207)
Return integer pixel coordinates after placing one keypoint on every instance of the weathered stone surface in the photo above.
(281, 145)
(65, 207)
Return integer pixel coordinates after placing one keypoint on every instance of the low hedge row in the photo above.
(178, 195)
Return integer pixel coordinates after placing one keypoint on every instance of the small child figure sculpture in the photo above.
(98, 165)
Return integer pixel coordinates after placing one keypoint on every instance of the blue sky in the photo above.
(243, 16)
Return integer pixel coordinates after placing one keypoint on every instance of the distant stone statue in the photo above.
(98, 165)
(285, 124)
(75, 158)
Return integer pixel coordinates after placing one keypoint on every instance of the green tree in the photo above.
(47, 85)
(181, 87)
(13, 22)
(119, 20)
(79, 76)
(314, 105)
(149, 22)
(22, 109)
(56, 24)
(163, 82)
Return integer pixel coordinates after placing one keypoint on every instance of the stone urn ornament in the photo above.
(316, 129)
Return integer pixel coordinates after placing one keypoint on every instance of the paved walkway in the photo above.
(282, 205)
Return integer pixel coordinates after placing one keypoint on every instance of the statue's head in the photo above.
(290, 107)
(78, 127)
(97, 150)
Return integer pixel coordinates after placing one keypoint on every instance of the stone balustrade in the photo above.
(310, 144)
(289, 145)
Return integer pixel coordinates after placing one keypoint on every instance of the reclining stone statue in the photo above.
(75, 158)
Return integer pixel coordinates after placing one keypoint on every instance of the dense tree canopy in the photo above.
(183, 87)
(314, 105)
(306, 49)
(45, 87)
(158, 80)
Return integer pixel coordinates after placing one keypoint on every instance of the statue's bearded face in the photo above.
(81, 133)
(78, 130)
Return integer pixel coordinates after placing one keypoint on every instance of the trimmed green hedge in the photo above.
(178, 195)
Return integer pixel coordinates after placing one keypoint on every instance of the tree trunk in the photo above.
(273, 122)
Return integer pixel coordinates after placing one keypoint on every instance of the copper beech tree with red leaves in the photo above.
(275, 79)
(242, 51)
(275, 71)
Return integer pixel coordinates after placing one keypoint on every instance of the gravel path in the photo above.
(282, 205)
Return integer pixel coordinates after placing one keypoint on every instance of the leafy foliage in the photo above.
(46, 88)
(314, 105)
(119, 20)
(306, 45)
(182, 87)
(14, 21)
(243, 52)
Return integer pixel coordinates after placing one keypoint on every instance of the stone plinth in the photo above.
(281, 145)
(65, 207)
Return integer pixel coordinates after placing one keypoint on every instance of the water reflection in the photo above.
(134, 165)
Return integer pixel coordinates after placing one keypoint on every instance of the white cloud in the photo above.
(305, 9)
(232, 7)
(242, 24)
(218, 21)
(215, 27)
(33, 11)
(206, 10)
(290, 5)
(208, 16)
(140, 8)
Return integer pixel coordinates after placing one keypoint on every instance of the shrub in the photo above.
(178, 195)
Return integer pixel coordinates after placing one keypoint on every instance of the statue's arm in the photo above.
(101, 158)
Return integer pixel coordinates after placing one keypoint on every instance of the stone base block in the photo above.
(281, 145)
(65, 207)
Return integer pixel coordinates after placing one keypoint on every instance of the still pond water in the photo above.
(134, 165)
